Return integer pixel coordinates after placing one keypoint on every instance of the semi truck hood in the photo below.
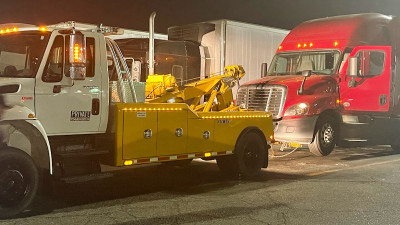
(313, 84)
(319, 90)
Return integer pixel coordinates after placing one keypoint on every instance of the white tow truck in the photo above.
(68, 104)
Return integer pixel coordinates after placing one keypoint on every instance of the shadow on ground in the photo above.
(148, 183)
(154, 182)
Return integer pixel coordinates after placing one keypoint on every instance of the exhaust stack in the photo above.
(151, 43)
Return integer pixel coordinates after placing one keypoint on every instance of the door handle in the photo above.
(95, 106)
(382, 100)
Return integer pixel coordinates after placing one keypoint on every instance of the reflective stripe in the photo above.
(153, 159)
(178, 157)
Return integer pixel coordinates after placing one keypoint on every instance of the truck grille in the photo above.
(262, 98)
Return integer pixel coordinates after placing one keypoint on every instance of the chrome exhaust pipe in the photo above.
(151, 43)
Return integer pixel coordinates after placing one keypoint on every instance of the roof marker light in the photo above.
(336, 43)
(280, 47)
(304, 45)
(311, 44)
(298, 45)
(43, 28)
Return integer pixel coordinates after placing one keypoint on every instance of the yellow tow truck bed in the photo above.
(160, 132)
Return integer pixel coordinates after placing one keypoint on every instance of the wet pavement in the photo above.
(350, 186)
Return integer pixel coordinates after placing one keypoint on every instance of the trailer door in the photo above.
(370, 90)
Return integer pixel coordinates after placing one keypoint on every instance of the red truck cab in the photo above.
(318, 98)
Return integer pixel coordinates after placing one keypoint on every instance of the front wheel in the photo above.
(19, 181)
(325, 137)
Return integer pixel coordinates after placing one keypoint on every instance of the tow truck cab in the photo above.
(332, 81)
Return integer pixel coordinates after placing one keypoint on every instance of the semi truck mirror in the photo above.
(306, 73)
(352, 72)
(353, 66)
(264, 69)
(77, 56)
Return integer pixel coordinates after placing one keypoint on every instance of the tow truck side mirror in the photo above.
(352, 72)
(77, 56)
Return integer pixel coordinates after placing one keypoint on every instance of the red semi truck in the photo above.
(333, 81)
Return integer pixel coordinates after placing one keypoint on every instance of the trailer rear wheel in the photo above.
(19, 181)
(325, 137)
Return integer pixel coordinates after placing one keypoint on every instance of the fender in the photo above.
(19, 128)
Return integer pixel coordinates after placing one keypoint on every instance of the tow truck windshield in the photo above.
(21, 53)
(293, 63)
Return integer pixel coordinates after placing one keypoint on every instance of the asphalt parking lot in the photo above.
(350, 186)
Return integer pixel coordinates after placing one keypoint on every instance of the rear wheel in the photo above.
(19, 181)
(250, 156)
(325, 137)
(251, 151)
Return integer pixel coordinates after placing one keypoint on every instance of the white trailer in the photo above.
(225, 42)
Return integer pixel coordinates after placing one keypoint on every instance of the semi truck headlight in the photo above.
(298, 109)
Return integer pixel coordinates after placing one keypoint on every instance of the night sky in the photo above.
(134, 14)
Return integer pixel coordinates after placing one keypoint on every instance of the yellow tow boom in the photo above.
(218, 88)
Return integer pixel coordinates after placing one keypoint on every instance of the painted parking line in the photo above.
(351, 168)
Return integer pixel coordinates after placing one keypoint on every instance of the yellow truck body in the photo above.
(177, 132)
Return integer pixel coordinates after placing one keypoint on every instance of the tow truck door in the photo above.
(370, 90)
(64, 106)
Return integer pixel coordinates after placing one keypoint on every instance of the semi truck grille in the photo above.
(262, 98)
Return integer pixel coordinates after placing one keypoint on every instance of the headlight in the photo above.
(298, 109)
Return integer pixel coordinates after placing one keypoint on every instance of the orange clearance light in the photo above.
(43, 28)
(311, 44)
(304, 45)
(76, 52)
(298, 45)
(280, 47)
(1, 31)
(336, 43)
(15, 29)
(207, 154)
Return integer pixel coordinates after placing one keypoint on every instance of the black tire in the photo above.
(252, 152)
(178, 163)
(325, 137)
(19, 181)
